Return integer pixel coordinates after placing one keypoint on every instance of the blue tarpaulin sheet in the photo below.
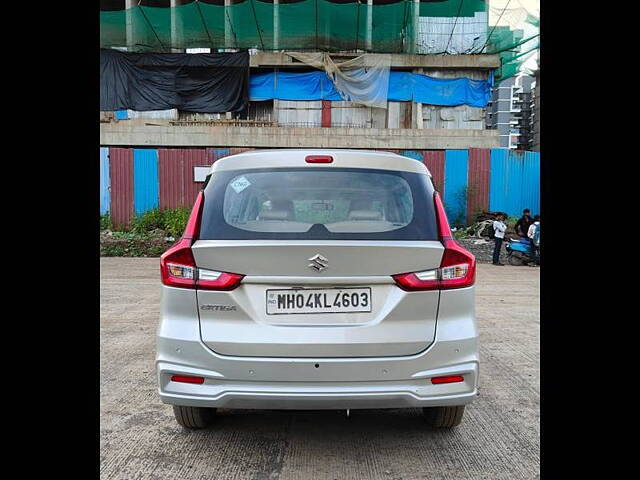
(292, 86)
(403, 87)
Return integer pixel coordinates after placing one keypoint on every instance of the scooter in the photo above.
(520, 252)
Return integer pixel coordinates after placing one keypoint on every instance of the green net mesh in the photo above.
(385, 26)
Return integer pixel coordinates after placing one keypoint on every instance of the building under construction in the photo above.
(204, 79)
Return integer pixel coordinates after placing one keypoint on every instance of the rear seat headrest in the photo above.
(364, 215)
(275, 215)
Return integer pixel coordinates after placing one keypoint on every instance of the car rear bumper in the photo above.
(219, 393)
(323, 382)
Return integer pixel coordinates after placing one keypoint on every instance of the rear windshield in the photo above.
(318, 204)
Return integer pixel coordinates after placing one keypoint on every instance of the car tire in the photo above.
(444, 417)
(194, 418)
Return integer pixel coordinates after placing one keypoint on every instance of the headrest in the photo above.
(275, 215)
(364, 215)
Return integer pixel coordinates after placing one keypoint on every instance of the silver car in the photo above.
(317, 279)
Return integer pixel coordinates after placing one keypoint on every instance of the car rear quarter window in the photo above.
(318, 204)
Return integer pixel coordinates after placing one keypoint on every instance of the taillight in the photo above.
(447, 379)
(457, 268)
(211, 280)
(178, 267)
(187, 379)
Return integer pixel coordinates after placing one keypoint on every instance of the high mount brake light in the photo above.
(178, 267)
(457, 267)
(318, 159)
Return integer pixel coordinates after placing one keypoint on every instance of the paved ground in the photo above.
(499, 438)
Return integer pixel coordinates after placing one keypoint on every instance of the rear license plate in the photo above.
(318, 300)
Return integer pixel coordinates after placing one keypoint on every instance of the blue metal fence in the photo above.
(146, 194)
(413, 154)
(456, 167)
(514, 182)
(105, 200)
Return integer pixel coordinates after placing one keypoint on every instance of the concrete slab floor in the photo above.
(498, 439)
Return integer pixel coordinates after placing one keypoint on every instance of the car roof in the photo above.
(286, 158)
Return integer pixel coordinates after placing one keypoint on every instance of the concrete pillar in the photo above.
(276, 24)
(413, 39)
(176, 27)
(229, 39)
(416, 111)
(276, 106)
(130, 31)
(369, 39)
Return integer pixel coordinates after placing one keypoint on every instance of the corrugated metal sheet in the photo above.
(416, 155)
(237, 150)
(498, 179)
(145, 179)
(193, 157)
(121, 180)
(531, 182)
(455, 191)
(177, 188)
(171, 177)
(514, 181)
(105, 200)
(326, 113)
(434, 161)
(299, 113)
(478, 191)
(350, 114)
(214, 154)
(469, 34)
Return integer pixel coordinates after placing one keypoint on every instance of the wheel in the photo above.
(194, 417)
(443, 417)
(515, 260)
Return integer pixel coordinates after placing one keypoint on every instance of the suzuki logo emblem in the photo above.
(318, 263)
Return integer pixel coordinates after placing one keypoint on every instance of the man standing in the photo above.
(499, 228)
(534, 236)
(523, 224)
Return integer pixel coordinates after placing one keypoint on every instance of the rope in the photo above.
(316, 24)
(255, 18)
(204, 24)
(151, 26)
(494, 27)
(446, 49)
(358, 25)
(235, 39)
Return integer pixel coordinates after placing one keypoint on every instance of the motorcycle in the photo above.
(521, 252)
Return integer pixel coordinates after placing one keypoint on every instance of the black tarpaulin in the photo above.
(201, 82)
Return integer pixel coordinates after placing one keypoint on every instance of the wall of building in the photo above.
(309, 114)
(469, 180)
(509, 112)
(156, 134)
(535, 114)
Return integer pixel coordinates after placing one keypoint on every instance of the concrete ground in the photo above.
(498, 439)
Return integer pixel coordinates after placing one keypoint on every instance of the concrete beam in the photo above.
(398, 60)
(131, 133)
